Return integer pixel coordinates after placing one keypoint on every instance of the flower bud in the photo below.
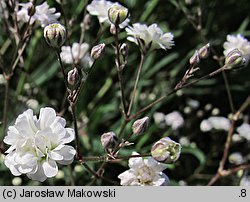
(98, 51)
(124, 50)
(195, 59)
(55, 35)
(31, 10)
(234, 59)
(73, 76)
(204, 51)
(109, 140)
(166, 150)
(117, 14)
(140, 126)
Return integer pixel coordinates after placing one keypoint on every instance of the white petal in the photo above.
(50, 168)
(127, 178)
(154, 165)
(68, 153)
(38, 175)
(55, 156)
(69, 136)
(47, 117)
(136, 162)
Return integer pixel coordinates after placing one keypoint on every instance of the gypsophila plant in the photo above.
(139, 93)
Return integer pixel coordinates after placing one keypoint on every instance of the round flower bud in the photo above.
(204, 51)
(195, 59)
(166, 150)
(140, 126)
(55, 35)
(109, 140)
(73, 76)
(234, 59)
(98, 51)
(117, 14)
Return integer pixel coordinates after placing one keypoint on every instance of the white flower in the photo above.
(237, 42)
(174, 119)
(146, 172)
(151, 37)
(43, 14)
(22, 14)
(46, 15)
(244, 131)
(100, 9)
(37, 145)
(215, 122)
(78, 53)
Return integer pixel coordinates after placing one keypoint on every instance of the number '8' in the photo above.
(243, 193)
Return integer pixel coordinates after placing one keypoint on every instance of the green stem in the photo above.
(230, 98)
(135, 85)
(6, 103)
(73, 111)
(62, 68)
(119, 71)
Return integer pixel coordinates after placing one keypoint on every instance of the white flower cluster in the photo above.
(37, 145)
(173, 119)
(77, 54)
(237, 42)
(215, 122)
(100, 9)
(151, 37)
(43, 14)
(147, 172)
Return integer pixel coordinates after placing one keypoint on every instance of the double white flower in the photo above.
(150, 37)
(43, 14)
(146, 172)
(37, 145)
(100, 9)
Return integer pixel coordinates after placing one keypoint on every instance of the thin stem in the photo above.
(230, 98)
(136, 84)
(119, 71)
(62, 68)
(73, 111)
(96, 174)
(175, 90)
(6, 103)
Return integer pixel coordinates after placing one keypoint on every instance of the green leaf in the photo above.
(163, 63)
(196, 152)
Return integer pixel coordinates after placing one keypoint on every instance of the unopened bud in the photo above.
(124, 50)
(55, 35)
(204, 51)
(109, 140)
(73, 76)
(195, 59)
(166, 150)
(98, 51)
(31, 10)
(140, 126)
(117, 14)
(234, 59)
